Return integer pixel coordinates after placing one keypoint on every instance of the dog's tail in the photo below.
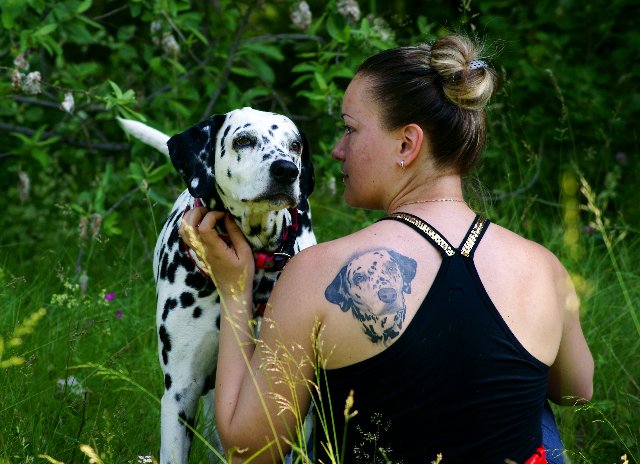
(145, 134)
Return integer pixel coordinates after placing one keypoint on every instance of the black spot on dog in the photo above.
(229, 173)
(195, 280)
(266, 157)
(173, 237)
(164, 262)
(246, 125)
(186, 299)
(256, 229)
(224, 135)
(178, 397)
(197, 312)
(205, 292)
(172, 215)
(166, 343)
(167, 381)
(218, 322)
(223, 151)
(274, 127)
(170, 304)
(182, 259)
(191, 423)
(265, 140)
(209, 384)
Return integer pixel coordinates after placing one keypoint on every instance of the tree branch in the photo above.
(71, 141)
(224, 75)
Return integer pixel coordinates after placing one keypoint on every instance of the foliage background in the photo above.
(82, 205)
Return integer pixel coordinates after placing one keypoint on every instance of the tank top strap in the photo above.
(427, 231)
(473, 236)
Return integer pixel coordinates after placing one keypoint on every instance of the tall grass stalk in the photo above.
(600, 226)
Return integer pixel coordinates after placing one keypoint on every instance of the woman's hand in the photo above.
(231, 266)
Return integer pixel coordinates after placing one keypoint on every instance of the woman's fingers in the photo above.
(242, 247)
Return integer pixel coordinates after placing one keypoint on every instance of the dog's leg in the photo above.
(188, 354)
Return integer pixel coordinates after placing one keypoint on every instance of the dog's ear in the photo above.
(337, 292)
(307, 177)
(407, 269)
(192, 154)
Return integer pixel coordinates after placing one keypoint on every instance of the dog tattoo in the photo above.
(372, 286)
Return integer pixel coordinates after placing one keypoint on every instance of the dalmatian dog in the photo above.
(372, 286)
(257, 166)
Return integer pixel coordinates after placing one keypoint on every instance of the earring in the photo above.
(401, 164)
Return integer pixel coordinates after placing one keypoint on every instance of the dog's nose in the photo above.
(387, 295)
(284, 172)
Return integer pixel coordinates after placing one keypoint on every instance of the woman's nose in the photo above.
(337, 151)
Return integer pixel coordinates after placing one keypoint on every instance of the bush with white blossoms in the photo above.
(68, 104)
(349, 9)
(301, 16)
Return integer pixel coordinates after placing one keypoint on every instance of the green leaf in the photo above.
(322, 83)
(243, 71)
(45, 30)
(84, 6)
(116, 89)
(159, 173)
(11, 9)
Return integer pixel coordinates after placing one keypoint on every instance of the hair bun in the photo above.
(467, 81)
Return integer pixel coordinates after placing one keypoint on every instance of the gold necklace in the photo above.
(460, 200)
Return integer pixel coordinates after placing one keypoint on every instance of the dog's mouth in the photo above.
(274, 201)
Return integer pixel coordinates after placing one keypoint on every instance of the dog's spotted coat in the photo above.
(257, 166)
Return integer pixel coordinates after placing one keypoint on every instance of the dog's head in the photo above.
(372, 286)
(245, 159)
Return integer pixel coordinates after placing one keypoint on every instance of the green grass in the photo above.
(118, 414)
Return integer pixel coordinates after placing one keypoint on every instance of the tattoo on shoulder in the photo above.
(372, 286)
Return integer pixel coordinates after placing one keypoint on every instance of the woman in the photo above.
(444, 332)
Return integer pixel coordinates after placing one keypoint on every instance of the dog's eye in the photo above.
(358, 279)
(242, 142)
(296, 147)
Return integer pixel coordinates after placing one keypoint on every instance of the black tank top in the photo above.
(456, 382)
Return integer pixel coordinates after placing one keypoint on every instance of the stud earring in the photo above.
(401, 164)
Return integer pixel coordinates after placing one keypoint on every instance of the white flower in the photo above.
(72, 384)
(21, 62)
(68, 103)
(16, 79)
(84, 282)
(170, 45)
(31, 83)
(301, 16)
(382, 30)
(144, 459)
(24, 185)
(349, 9)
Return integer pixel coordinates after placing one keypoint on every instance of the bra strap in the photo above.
(425, 230)
(474, 235)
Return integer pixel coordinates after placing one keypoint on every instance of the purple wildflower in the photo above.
(119, 313)
(109, 297)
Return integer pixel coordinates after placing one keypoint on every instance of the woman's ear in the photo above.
(412, 138)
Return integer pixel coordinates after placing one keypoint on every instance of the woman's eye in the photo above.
(296, 147)
(348, 129)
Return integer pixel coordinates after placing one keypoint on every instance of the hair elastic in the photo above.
(477, 64)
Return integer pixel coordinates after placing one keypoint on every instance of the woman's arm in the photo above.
(262, 386)
(571, 375)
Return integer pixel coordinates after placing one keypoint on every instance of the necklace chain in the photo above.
(434, 200)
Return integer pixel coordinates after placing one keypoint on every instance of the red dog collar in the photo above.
(270, 261)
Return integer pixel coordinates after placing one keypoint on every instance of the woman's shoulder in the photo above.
(532, 257)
